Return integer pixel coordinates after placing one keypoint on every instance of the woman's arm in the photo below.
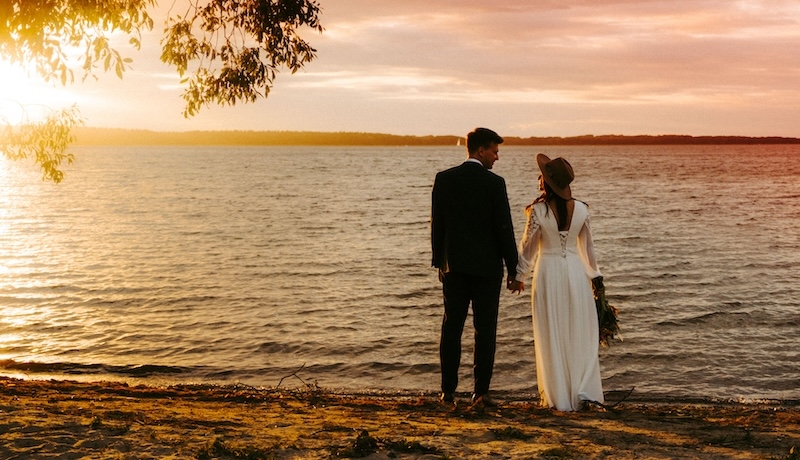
(529, 245)
(586, 250)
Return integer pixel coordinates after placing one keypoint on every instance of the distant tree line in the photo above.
(107, 136)
(667, 139)
(110, 136)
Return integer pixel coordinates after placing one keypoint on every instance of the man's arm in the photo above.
(505, 230)
(437, 226)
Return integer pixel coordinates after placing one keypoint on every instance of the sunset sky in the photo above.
(523, 68)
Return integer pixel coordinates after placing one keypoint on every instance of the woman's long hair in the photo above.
(548, 196)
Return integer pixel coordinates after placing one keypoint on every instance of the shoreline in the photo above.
(294, 381)
(69, 419)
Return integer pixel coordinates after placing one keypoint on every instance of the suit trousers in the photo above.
(484, 293)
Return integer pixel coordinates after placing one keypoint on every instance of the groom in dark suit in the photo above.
(472, 235)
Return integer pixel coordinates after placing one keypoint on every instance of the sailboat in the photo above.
(458, 142)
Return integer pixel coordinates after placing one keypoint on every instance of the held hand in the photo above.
(515, 286)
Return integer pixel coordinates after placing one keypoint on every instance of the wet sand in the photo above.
(71, 420)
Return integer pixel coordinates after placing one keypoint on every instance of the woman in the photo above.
(565, 331)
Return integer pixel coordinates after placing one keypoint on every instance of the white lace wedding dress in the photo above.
(565, 331)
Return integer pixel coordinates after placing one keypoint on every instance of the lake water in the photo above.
(224, 265)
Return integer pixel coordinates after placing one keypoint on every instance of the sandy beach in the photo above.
(72, 420)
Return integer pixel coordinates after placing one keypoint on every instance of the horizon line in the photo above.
(135, 136)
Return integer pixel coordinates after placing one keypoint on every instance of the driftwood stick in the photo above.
(293, 374)
(612, 406)
(623, 398)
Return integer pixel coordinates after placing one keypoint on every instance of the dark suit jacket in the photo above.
(471, 229)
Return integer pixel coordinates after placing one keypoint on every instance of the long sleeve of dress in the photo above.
(528, 246)
(586, 250)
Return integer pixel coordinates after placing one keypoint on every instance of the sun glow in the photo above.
(26, 97)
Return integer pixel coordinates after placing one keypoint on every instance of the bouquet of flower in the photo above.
(606, 314)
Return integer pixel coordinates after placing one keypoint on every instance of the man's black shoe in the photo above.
(483, 400)
(447, 398)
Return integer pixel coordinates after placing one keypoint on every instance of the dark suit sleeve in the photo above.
(504, 229)
(437, 225)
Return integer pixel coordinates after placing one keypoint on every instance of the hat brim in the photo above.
(565, 192)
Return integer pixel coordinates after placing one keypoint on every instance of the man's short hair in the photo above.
(482, 137)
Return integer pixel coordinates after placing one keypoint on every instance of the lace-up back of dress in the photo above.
(563, 235)
(554, 241)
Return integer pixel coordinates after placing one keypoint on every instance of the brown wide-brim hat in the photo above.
(557, 173)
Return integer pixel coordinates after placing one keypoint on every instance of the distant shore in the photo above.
(111, 136)
(115, 420)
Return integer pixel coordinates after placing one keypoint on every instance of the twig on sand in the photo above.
(612, 406)
(294, 374)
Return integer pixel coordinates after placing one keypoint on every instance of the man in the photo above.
(472, 235)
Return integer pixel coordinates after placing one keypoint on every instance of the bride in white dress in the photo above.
(566, 337)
